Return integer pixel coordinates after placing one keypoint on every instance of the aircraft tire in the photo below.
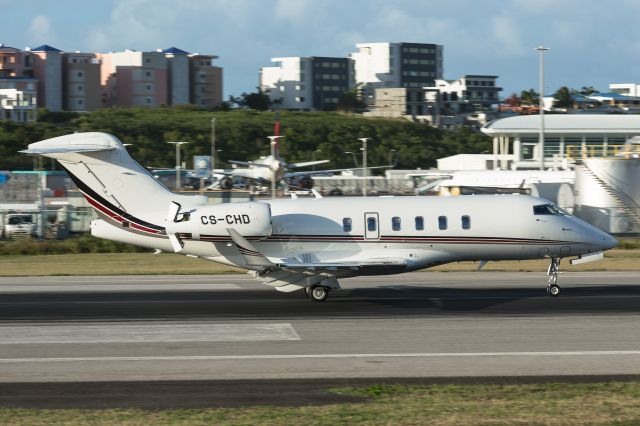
(553, 290)
(226, 183)
(319, 293)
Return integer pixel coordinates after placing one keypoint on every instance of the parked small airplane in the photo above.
(265, 169)
(295, 244)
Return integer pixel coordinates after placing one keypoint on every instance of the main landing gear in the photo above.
(317, 293)
(553, 289)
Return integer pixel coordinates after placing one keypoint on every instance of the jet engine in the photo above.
(249, 219)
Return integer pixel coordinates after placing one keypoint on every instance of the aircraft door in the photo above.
(371, 226)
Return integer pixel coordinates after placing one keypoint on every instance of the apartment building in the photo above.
(409, 65)
(18, 88)
(205, 82)
(18, 99)
(313, 83)
(47, 69)
(81, 82)
(468, 93)
(133, 78)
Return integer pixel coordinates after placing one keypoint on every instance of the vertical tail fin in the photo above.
(122, 192)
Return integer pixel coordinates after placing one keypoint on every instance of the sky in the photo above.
(592, 42)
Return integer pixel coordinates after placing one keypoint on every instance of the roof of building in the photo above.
(175, 51)
(614, 96)
(8, 49)
(565, 123)
(45, 48)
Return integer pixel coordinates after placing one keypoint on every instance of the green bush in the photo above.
(82, 244)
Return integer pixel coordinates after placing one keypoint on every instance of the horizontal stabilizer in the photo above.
(306, 163)
(66, 149)
(249, 163)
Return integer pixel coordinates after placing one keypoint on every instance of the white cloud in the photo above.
(40, 31)
(506, 33)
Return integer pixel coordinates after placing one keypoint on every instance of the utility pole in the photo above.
(177, 144)
(214, 160)
(274, 141)
(541, 49)
(364, 165)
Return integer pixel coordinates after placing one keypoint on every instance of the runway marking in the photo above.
(38, 288)
(118, 333)
(325, 356)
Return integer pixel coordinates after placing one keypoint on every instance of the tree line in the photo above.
(563, 97)
(241, 134)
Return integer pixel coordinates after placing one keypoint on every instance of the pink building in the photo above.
(132, 78)
(47, 68)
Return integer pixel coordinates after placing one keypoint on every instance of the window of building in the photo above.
(442, 223)
(147, 60)
(300, 99)
(79, 88)
(419, 223)
(148, 100)
(371, 224)
(346, 224)
(80, 102)
(80, 74)
(395, 223)
(148, 87)
(148, 73)
(466, 222)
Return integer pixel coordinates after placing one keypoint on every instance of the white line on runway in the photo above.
(306, 356)
(118, 333)
(60, 288)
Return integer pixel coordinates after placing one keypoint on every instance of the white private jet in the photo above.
(295, 244)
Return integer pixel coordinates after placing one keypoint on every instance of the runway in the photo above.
(228, 328)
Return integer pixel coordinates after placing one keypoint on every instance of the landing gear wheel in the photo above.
(553, 290)
(318, 293)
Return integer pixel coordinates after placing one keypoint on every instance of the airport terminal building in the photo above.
(566, 137)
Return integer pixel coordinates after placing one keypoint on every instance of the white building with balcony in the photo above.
(18, 99)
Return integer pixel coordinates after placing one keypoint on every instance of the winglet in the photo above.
(252, 256)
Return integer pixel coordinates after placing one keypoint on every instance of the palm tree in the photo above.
(529, 97)
(563, 98)
(586, 91)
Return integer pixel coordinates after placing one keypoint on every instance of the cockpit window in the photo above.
(548, 209)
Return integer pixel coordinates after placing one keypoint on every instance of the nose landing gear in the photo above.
(553, 289)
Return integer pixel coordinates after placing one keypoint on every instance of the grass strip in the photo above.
(474, 404)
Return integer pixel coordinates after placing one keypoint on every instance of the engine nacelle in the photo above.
(250, 219)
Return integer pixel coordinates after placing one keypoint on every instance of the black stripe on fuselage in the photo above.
(98, 198)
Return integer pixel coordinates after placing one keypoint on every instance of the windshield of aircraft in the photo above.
(549, 209)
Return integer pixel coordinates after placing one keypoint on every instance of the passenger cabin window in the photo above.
(346, 224)
(395, 223)
(442, 222)
(548, 209)
(371, 224)
(419, 223)
(466, 222)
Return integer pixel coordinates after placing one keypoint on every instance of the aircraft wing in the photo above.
(306, 163)
(324, 172)
(291, 276)
(249, 163)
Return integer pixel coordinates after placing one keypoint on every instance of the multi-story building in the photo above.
(179, 75)
(18, 99)
(133, 78)
(18, 88)
(409, 65)
(205, 86)
(307, 83)
(469, 93)
(47, 69)
(81, 82)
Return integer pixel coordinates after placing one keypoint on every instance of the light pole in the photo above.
(355, 159)
(391, 152)
(541, 49)
(177, 144)
(364, 165)
(214, 160)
